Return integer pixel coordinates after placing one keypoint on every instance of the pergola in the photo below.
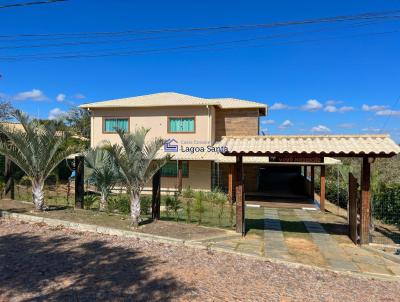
(310, 149)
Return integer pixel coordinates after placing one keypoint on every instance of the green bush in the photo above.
(89, 200)
(386, 204)
(119, 203)
(145, 205)
(173, 204)
(199, 208)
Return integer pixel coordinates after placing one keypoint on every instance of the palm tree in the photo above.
(137, 163)
(37, 150)
(103, 173)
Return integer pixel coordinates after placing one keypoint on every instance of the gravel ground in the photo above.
(42, 263)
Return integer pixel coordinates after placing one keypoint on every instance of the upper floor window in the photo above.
(112, 124)
(181, 125)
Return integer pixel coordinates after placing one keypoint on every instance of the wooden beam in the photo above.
(353, 208)
(9, 167)
(240, 204)
(231, 168)
(365, 200)
(312, 182)
(323, 189)
(79, 181)
(179, 177)
(156, 196)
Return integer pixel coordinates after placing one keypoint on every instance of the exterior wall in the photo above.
(250, 177)
(199, 178)
(236, 122)
(157, 120)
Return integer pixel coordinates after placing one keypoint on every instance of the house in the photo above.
(193, 128)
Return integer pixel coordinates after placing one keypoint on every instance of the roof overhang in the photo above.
(310, 146)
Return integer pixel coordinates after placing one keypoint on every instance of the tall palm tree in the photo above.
(102, 173)
(137, 162)
(37, 150)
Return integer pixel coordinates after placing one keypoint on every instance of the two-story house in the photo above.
(193, 124)
(191, 127)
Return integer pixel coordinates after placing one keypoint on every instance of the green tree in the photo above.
(137, 163)
(102, 173)
(78, 120)
(37, 150)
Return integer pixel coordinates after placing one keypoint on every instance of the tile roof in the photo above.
(174, 99)
(324, 145)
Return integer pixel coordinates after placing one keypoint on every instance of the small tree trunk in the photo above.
(38, 194)
(103, 202)
(135, 209)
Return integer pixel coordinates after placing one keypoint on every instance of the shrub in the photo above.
(386, 204)
(119, 204)
(173, 204)
(199, 208)
(89, 200)
(187, 193)
(145, 205)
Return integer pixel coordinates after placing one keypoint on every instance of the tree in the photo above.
(103, 173)
(137, 163)
(6, 110)
(37, 150)
(79, 121)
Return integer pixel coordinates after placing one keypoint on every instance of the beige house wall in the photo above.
(199, 178)
(156, 119)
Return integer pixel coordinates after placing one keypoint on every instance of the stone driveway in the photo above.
(307, 237)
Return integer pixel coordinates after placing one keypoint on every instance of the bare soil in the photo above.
(42, 263)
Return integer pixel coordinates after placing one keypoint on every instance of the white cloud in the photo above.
(286, 124)
(346, 109)
(388, 112)
(321, 129)
(371, 129)
(332, 108)
(312, 105)
(56, 113)
(34, 95)
(346, 125)
(333, 102)
(61, 97)
(279, 106)
(79, 96)
(268, 122)
(373, 107)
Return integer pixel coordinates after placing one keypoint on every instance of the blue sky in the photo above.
(324, 78)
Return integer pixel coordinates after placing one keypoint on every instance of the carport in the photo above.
(312, 149)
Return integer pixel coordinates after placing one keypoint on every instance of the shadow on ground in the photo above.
(59, 269)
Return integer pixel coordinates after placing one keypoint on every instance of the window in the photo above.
(181, 125)
(111, 124)
(170, 169)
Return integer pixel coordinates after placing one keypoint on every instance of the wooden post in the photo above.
(179, 177)
(9, 167)
(322, 191)
(230, 182)
(240, 204)
(312, 182)
(79, 181)
(156, 196)
(353, 208)
(365, 200)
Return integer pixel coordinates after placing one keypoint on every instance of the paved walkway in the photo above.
(328, 247)
(299, 236)
(275, 246)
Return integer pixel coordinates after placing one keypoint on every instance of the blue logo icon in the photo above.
(171, 145)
